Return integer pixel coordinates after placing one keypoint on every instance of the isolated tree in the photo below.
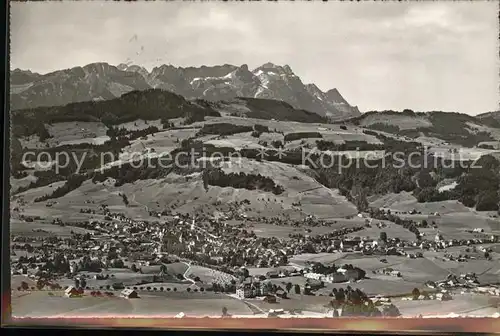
(415, 293)
(40, 284)
(125, 199)
(341, 295)
(24, 285)
(117, 263)
(391, 311)
(284, 260)
(383, 236)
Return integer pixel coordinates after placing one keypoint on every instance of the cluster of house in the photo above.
(254, 288)
(441, 296)
(468, 280)
(73, 292)
(341, 274)
(251, 289)
(211, 242)
(391, 272)
(441, 243)
(491, 290)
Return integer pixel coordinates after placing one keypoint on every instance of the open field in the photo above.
(405, 202)
(329, 132)
(299, 187)
(208, 276)
(161, 142)
(304, 302)
(384, 286)
(253, 271)
(471, 304)
(40, 304)
(402, 121)
(140, 124)
(324, 258)
(16, 184)
(206, 303)
(132, 279)
(69, 133)
(18, 227)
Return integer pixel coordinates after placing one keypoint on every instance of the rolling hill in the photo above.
(447, 127)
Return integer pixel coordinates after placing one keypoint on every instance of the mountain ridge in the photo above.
(102, 81)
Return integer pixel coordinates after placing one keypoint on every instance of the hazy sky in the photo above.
(385, 55)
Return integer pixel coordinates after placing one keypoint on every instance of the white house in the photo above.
(71, 292)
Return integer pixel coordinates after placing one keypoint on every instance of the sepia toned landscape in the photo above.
(244, 190)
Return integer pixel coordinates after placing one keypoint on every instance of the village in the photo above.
(170, 254)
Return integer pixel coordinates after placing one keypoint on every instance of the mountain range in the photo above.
(102, 81)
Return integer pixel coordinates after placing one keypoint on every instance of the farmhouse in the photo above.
(443, 296)
(281, 293)
(335, 278)
(275, 312)
(270, 299)
(272, 274)
(129, 294)
(315, 276)
(71, 292)
(243, 292)
(249, 289)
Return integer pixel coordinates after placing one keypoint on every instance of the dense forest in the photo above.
(478, 183)
(217, 177)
